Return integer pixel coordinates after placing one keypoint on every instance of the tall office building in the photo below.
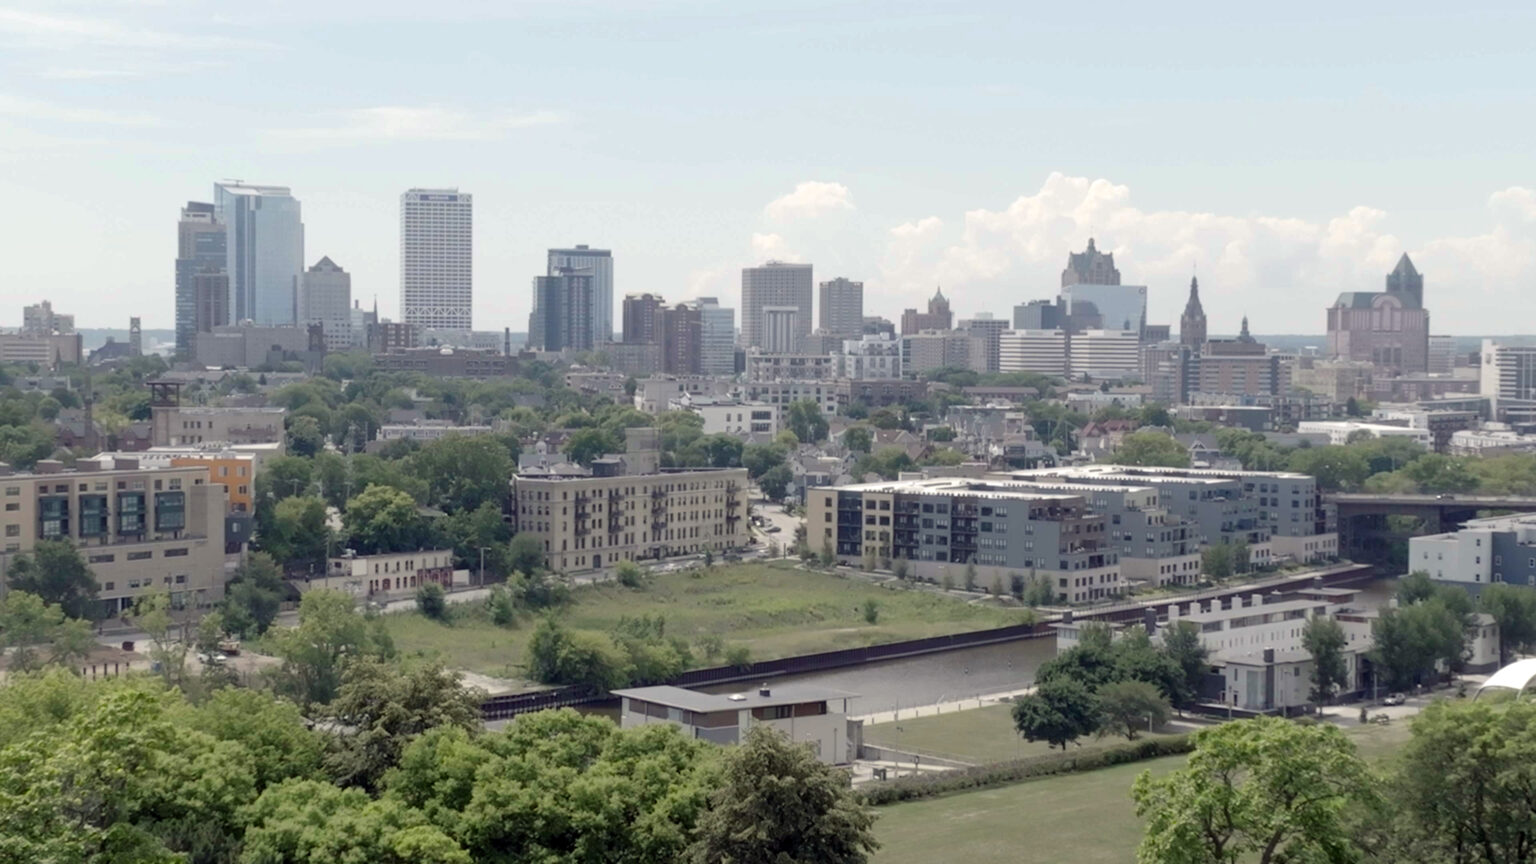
(264, 251)
(40, 320)
(641, 314)
(1388, 329)
(717, 337)
(327, 300)
(1039, 315)
(776, 283)
(842, 308)
(987, 331)
(201, 258)
(437, 274)
(562, 311)
(600, 263)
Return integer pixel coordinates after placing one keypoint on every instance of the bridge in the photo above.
(1366, 535)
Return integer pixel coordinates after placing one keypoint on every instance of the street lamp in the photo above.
(482, 565)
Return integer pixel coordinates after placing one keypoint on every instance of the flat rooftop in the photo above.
(999, 489)
(693, 700)
(1153, 473)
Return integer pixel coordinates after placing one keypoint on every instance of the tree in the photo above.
(385, 708)
(305, 437)
(432, 600)
(1324, 639)
(305, 820)
(168, 637)
(1513, 608)
(298, 534)
(384, 519)
(463, 473)
(590, 659)
(584, 445)
(1059, 712)
(1410, 640)
(629, 574)
(1149, 447)
(272, 730)
(56, 573)
(759, 459)
(1216, 561)
(1336, 468)
(775, 482)
(1128, 706)
(1464, 784)
(526, 554)
(1265, 790)
(330, 631)
(1181, 642)
(777, 804)
(803, 417)
(254, 596)
(858, 439)
(26, 623)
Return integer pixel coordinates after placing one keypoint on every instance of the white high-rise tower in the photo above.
(436, 260)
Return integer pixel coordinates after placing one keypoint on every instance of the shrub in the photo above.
(629, 574)
(871, 610)
(432, 600)
(739, 656)
(1002, 773)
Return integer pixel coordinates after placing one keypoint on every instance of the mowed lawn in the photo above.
(978, 736)
(773, 610)
(1084, 818)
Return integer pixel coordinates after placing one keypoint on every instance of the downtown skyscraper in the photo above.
(436, 260)
(598, 263)
(264, 251)
(777, 284)
(202, 284)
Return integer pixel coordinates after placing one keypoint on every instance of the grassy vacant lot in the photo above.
(1085, 818)
(774, 610)
(978, 736)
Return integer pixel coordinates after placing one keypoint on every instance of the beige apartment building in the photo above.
(625, 507)
(141, 530)
(176, 426)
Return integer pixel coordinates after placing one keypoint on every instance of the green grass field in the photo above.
(1086, 818)
(774, 610)
(978, 736)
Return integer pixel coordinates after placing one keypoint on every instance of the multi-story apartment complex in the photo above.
(937, 349)
(642, 318)
(140, 530)
(1101, 354)
(598, 264)
(39, 319)
(625, 507)
(654, 395)
(943, 525)
(784, 391)
(177, 426)
(437, 259)
(987, 331)
(775, 284)
(326, 299)
(732, 416)
(762, 366)
(1481, 552)
(873, 357)
(1507, 378)
(1042, 351)
(842, 307)
(48, 352)
(1155, 546)
(235, 470)
(563, 309)
(264, 251)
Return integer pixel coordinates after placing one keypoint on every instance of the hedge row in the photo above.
(1001, 773)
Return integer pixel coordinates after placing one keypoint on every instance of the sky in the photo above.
(1282, 152)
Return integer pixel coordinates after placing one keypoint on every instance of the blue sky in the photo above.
(1286, 152)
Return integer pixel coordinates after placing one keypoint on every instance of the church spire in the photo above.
(1192, 322)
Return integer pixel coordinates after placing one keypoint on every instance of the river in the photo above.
(952, 675)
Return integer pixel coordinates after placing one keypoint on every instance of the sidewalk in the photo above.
(969, 703)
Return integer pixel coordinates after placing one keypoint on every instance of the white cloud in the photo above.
(38, 30)
(771, 246)
(1280, 271)
(410, 123)
(810, 199)
(27, 109)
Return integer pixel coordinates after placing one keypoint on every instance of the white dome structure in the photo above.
(1513, 680)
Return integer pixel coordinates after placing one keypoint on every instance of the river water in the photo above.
(951, 675)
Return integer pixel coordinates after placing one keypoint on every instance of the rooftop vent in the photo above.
(764, 691)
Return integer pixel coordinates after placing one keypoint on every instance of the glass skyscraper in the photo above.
(600, 264)
(264, 251)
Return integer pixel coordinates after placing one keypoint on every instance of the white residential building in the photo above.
(730, 416)
(814, 716)
(436, 259)
(874, 357)
(1338, 431)
(777, 284)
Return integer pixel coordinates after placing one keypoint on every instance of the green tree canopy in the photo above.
(463, 473)
(1323, 638)
(1059, 712)
(384, 519)
(1150, 447)
(55, 572)
(1128, 707)
(330, 631)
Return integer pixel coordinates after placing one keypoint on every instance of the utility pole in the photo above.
(482, 565)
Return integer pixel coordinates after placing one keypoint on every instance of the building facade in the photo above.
(777, 284)
(717, 342)
(781, 330)
(682, 335)
(808, 716)
(1192, 323)
(625, 508)
(870, 358)
(1101, 354)
(367, 576)
(39, 319)
(1388, 329)
(264, 251)
(988, 332)
(938, 316)
(641, 314)
(842, 307)
(326, 299)
(437, 275)
(762, 366)
(1090, 267)
(1042, 351)
(201, 256)
(141, 530)
(561, 319)
(597, 263)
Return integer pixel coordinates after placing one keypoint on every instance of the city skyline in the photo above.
(669, 171)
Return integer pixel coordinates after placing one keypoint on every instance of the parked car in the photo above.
(215, 659)
(1394, 699)
(774, 529)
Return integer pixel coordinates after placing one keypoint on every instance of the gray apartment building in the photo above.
(1483, 551)
(842, 307)
(941, 525)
